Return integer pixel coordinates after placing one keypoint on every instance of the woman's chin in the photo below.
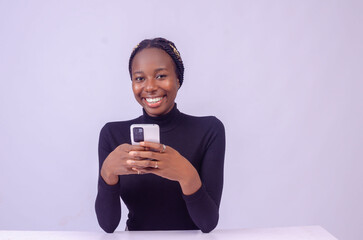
(157, 111)
(153, 112)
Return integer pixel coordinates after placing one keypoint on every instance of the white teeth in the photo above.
(153, 100)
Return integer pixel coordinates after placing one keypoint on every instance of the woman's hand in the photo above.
(115, 163)
(167, 163)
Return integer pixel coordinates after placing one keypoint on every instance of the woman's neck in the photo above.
(166, 121)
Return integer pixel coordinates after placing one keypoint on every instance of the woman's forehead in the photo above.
(152, 58)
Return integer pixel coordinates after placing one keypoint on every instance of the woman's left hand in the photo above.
(167, 163)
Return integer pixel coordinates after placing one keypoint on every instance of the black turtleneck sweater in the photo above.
(156, 203)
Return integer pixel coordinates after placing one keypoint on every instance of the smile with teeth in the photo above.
(154, 100)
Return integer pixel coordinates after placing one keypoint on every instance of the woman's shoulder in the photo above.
(116, 126)
(204, 121)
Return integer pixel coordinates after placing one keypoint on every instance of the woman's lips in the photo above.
(153, 102)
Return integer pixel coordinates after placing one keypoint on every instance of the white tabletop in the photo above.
(288, 233)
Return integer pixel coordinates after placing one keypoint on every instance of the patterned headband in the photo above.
(175, 51)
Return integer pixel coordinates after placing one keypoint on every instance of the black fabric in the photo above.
(155, 203)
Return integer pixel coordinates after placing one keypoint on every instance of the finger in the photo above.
(126, 170)
(150, 170)
(143, 164)
(132, 156)
(136, 158)
(155, 146)
(135, 148)
(145, 171)
(146, 154)
(128, 147)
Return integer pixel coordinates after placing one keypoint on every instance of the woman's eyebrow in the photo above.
(136, 72)
(159, 69)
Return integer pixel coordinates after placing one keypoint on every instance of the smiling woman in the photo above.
(174, 185)
(154, 81)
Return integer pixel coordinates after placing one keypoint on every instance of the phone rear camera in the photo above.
(138, 134)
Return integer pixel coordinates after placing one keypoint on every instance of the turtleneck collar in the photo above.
(166, 122)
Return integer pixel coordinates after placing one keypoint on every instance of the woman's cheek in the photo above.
(136, 88)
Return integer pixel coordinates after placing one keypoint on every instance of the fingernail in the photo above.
(142, 143)
(130, 162)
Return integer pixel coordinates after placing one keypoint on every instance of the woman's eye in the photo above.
(139, 79)
(160, 76)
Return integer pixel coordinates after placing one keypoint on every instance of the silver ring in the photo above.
(156, 165)
(164, 147)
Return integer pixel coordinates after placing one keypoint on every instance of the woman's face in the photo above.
(154, 81)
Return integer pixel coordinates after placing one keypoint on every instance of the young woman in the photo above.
(174, 185)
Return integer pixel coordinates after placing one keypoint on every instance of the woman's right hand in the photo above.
(115, 163)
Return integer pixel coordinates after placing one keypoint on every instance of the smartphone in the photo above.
(144, 132)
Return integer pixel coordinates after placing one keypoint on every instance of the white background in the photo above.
(285, 77)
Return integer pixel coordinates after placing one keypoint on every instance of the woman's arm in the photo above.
(108, 206)
(112, 163)
(203, 205)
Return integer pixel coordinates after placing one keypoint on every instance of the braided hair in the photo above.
(166, 45)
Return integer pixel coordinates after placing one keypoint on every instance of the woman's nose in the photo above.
(150, 85)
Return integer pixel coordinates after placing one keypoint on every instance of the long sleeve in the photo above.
(170, 209)
(203, 205)
(108, 207)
